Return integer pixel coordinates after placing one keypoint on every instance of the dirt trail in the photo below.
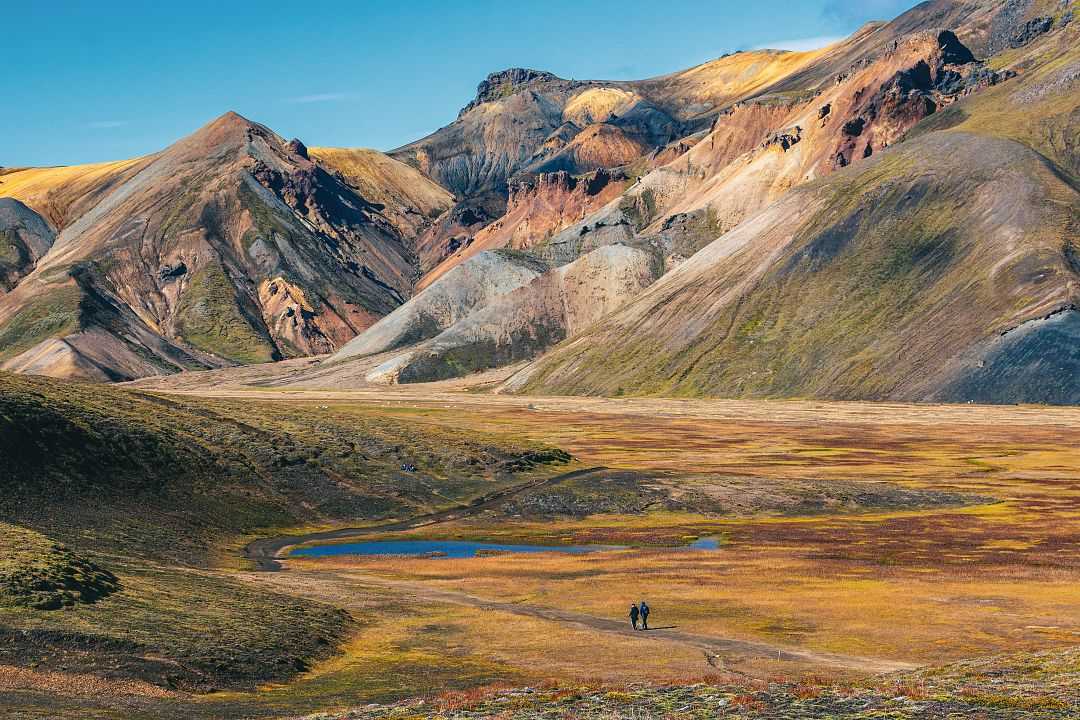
(265, 553)
(334, 586)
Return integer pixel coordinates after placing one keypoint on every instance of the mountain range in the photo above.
(894, 216)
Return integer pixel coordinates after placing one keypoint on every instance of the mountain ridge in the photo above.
(273, 250)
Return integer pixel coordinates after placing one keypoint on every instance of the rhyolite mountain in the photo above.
(893, 216)
(938, 261)
(231, 246)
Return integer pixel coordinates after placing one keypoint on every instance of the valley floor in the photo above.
(860, 544)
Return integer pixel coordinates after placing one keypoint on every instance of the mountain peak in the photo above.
(507, 82)
(229, 119)
(230, 128)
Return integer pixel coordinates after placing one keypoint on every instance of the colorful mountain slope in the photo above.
(230, 246)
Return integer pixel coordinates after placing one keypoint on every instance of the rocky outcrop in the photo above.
(468, 287)
(527, 321)
(293, 321)
(455, 230)
(936, 78)
(539, 208)
(24, 239)
(504, 83)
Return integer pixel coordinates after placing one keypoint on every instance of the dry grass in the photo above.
(922, 586)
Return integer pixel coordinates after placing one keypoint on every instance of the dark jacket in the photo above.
(633, 611)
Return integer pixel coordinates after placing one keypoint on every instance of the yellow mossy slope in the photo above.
(62, 193)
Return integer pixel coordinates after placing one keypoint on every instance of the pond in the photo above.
(461, 548)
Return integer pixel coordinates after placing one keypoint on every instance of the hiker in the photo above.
(633, 616)
(644, 612)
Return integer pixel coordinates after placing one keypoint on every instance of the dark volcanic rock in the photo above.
(954, 52)
(1030, 30)
(298, 147)
(854, 128)
(506, 82)
(24, 238)
(1037, 362)
(171, 272)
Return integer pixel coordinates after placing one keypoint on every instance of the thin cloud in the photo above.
(106, 124)
(320, 97)
(800, 44)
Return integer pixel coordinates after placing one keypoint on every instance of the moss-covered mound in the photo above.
(38, 573)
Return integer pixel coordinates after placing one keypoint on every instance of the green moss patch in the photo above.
(51, 314)
(210, 317)
(38, 573)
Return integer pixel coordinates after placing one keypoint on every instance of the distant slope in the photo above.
(62, 194)
(525, 322)
(891, 280)
(409, 199)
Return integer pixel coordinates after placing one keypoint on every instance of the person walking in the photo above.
(634, 615)
(644, 613)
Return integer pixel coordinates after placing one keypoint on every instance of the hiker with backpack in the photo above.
(644, 613)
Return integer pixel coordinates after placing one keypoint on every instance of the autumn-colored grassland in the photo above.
(921, 586)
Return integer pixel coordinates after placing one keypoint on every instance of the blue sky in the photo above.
(90, 81)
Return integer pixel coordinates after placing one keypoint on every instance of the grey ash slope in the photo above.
(522, 324)
(464, 289)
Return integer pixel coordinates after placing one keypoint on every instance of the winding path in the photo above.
(711, 645)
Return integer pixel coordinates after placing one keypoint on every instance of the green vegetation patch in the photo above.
(171, 476)
(153, 487)
(54, 313)
(178, 628)
(211, 318)
(38, 573)
(12, 250)
(641, 209)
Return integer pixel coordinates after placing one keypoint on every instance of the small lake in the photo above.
(461, 548)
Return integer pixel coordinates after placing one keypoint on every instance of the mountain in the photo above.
(848, 226)
(941, 268)
(525, 122)
(888, 217)
(231, 246)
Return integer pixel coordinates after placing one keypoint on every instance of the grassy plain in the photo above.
(883, 580)
(915, 586)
